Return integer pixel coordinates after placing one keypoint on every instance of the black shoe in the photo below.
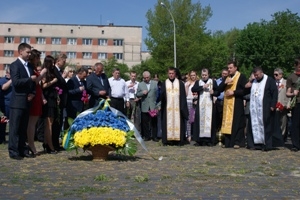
(59, 149)
(27, 155)
(294, 149)
(209, 144)
(155, 139)
(266, 149)
(16, 157)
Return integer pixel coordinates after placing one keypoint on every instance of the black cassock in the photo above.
(272, 138)
(237, 136)
(196, 127)
(183, 112)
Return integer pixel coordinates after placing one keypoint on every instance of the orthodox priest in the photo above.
(204, 131)
(173, 109)
(233, 122)
(263, 98)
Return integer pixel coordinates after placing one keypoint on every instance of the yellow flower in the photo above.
(100, 135)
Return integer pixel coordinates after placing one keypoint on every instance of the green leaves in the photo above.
(270, 44)
(130, 147)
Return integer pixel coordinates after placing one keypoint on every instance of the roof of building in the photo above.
(109, 25)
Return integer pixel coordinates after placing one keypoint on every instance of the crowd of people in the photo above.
(249, 112)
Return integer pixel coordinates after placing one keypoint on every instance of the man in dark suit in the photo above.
(76, 86)
(57, 125)
(97, 85)
(22, 93)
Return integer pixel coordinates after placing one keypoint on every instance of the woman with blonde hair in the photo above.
(69, 70)
(190, 97)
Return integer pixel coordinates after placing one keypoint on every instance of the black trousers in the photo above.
(118, 103)
(17, 131)
(56, 129)
(296, 126)
(149, 126)
(219, 114)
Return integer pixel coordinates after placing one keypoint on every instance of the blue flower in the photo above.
(102, 118)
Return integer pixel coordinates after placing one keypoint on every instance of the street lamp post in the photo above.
(163, 5)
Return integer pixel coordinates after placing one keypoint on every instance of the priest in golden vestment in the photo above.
(233, 122)
(174, 109)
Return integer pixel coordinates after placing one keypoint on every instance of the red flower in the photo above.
(279, 106)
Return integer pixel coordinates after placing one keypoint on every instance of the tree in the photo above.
(191, 34)
(272, 44)
(112, 63)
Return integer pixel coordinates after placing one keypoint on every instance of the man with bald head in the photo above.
(97, 85)
(147, 91)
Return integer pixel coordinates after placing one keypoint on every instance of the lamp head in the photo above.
(162, 4)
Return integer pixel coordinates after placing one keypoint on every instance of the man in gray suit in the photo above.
(281, 115)
(147, 91)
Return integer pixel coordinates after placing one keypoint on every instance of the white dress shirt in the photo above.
(132, 90)
(119, 88)
(25, 66)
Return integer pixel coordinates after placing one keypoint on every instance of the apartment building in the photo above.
(83, 44)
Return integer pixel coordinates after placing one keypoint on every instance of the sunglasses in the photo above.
(276, 74)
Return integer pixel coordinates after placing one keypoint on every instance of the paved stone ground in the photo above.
(186, 172)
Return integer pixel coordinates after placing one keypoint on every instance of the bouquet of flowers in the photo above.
(85, 97)
(153, 113)
(100, 126)
(294, 99)
(279, 107)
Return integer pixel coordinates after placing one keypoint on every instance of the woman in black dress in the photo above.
(50, 108)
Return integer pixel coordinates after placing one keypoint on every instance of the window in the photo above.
(102, 42)
(118, 56)
(41, 40)
(25, 40)
(87, 41)
(41, 30)
(6, 66)
(86, 55)
(56, 41)
(102, 55)
(8, 53)
(8, 29)
(71, 30)
(118, 42)
(71, 54)
(43, 54)
(102, 31)
(55, 53)
(9, 39)
(72, 41)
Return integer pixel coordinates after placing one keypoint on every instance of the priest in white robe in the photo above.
(204, 132)
(263, 98)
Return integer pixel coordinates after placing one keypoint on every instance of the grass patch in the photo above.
(140, 179)
(101, 177)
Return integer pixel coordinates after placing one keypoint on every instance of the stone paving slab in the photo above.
(186, 172)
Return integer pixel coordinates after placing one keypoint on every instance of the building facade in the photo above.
(83, 44)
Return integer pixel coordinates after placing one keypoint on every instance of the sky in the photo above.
(227, 14)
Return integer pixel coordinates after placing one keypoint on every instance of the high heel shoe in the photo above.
(33, 153)
(50, 151)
